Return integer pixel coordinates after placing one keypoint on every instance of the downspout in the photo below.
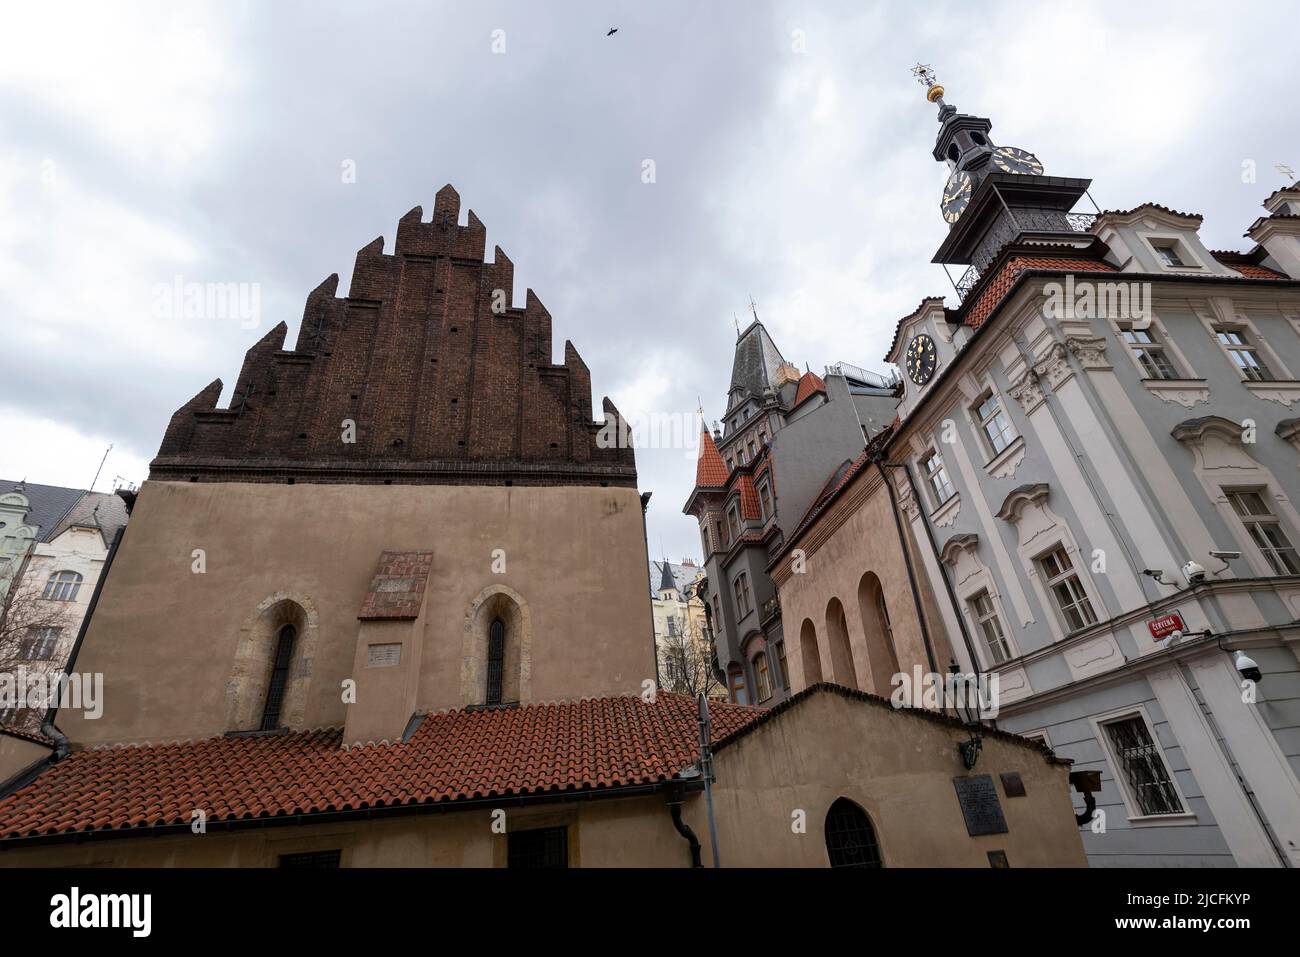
(911, 572)
(676, 796)
(48, 727)
(645, 539)
(938, 559)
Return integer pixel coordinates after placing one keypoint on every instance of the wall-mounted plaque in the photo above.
(998, 859)
(1012, 786)
(979, 805)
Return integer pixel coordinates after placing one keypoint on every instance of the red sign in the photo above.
(1166, 625)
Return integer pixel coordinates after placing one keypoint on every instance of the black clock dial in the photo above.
(956, 195)
(921, 359)
(1011, 159)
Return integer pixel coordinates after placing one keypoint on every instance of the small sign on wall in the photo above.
(383, 656)
(1166, 625)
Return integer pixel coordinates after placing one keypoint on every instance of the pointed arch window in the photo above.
(496, 660)
(850, 838)
(279, 678)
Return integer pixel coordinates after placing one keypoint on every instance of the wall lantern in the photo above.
(966, 702)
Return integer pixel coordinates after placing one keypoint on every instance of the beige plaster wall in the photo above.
(899, 768)
(18, 754)
(166, 638)
(858, 535)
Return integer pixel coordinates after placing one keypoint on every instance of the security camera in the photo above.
(1194, 573)
(1247, 668)
(1224, 554)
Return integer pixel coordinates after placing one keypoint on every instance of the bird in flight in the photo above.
(612, 31)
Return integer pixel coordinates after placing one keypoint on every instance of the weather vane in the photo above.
(753, 308)
(925, 75)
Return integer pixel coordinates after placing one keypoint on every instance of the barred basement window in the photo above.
(62, 586)
(850, 838)
(1143, 767)
(279, 678)
(541, 847)
(313, 860)
(496, 660)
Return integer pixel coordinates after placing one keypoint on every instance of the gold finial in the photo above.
(925, 75)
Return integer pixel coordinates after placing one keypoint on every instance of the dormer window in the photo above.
(1167, 250)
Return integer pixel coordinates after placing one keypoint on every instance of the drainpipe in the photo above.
(645, 539)
(911, 572)
(48, 727)
(938, 560)
(676, 797)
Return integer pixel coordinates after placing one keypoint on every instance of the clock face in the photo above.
(1010, 159)
(956, 195)
(921, 358)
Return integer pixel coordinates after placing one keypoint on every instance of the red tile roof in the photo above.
(749, 504)
(587, 745)
(1005, 278)
(710, 470)
(809, 385)
(1255, 272)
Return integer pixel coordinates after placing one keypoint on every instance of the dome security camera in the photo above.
(1247, 668)
(1194, 573)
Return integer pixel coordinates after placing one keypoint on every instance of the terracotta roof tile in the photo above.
(457, 755)
(1255, 272)
(809, 385)
(710, 470)
(1005, 278)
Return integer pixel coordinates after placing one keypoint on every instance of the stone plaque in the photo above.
(998, 859)
(1012, 786)
(979, 805)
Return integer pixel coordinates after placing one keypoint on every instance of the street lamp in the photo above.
(966, 702)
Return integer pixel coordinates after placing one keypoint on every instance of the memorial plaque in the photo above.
(1012, 786)
(979, 805)
(998, 859)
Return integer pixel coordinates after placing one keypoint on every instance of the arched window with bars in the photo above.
(496, 660)
(279, 678)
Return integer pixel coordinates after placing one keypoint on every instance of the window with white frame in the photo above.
(62, 586)
(1167, 250)
(937, 477)
(990, 626)
(1243, 354)
(1265, 529)
(40, 643)
(1143, 772)
(1062, 581)
(1150, 353)
(994, 425)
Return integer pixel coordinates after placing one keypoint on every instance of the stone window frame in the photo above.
(1160, 332)
(962, 551)
(497, 601)
(1216, 478)
(996, 463)
(931, 451)
(1241, 322)
(251, 669)
(1192, 261)
(1055, 532)
(1131, 808)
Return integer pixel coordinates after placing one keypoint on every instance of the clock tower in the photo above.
(995, 194)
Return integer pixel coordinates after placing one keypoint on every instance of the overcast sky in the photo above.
(141, 142)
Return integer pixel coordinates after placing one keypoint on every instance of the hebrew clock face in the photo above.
(1011, 159)
(921, 359)
(956, 195)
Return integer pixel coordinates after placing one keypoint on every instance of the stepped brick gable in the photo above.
(443, 380)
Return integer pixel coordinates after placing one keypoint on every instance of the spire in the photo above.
(666, 581)
(710, 471)
(756, 362)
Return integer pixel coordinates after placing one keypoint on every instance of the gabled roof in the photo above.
(104, 511)
(453, 757)
(49, 504)
(809, 385)
(756, 362)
